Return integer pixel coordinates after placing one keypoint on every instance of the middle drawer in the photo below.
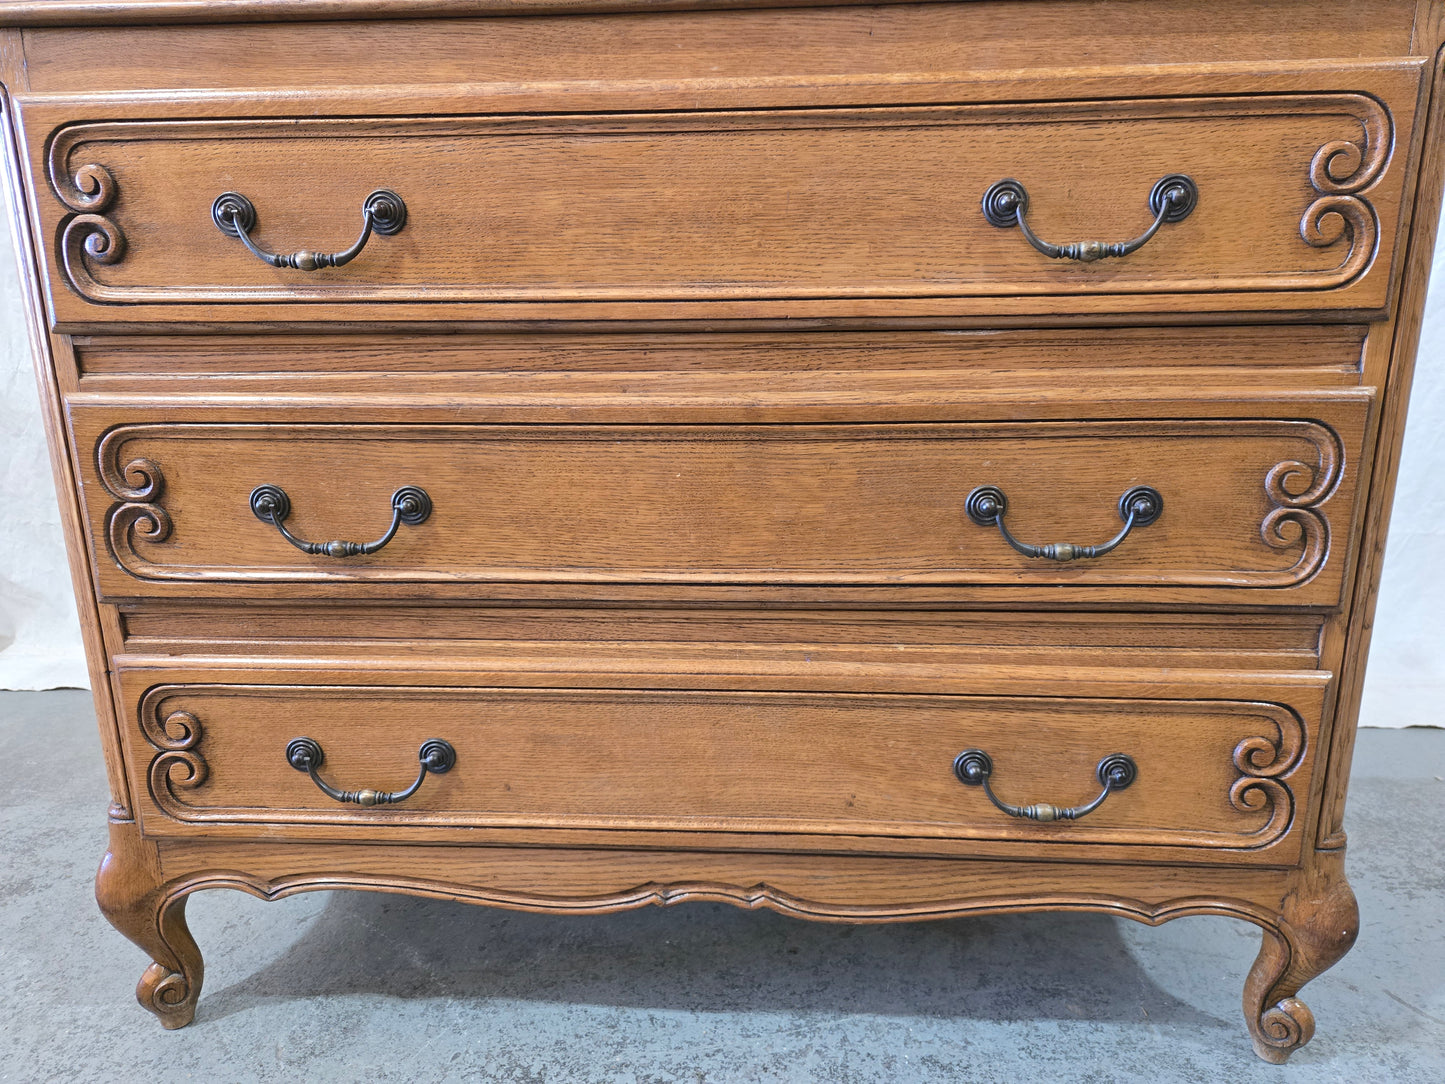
(1223, 510)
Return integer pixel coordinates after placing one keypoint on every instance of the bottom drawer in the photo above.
(1218, 764)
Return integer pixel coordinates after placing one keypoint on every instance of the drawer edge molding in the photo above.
(1340, 174)
(1264, 764)
(1296, 490)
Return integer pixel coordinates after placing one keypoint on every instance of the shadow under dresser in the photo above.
(871, 462)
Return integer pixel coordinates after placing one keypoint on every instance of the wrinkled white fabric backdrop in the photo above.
(40, 636)
(39, 632)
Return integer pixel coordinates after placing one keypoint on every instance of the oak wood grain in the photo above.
(1306, 356)
(1263, 641)
(1212, 773)
(870, 212)
(131, 894)
(1249, 505)
(700, 340)
(1317, 924)
(259, 48)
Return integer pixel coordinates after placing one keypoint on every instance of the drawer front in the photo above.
(875, 210)
(1254, 510)
(1226, 770)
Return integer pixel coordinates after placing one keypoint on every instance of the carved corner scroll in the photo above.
(137, 485)
(87, 235)
(177, 764)
(1262, 763)
(1293, 519)
(1297, 491)
(1340, 171)
(1354, 133)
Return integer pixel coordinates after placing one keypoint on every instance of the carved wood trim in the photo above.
(1262, 763)
(179, 763)
(752, 897)
(1296, 518)
(1297, 490)
(1295, 946)
(88, 189)
(1265, 763)
(47, 352)
(132, 894)
(139, 485)
(1340, 172)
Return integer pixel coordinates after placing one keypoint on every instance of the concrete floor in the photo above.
(359, 986)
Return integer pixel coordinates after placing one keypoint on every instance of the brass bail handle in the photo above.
(409, 505)
(1138, 507)
(1172, 199)
(437, 757)
(1117, 771)
(382, 212)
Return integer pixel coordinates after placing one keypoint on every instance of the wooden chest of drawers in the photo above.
(874, 463)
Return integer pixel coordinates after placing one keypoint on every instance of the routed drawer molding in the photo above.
(870, 205)
(1247, 503)
(1214, 773)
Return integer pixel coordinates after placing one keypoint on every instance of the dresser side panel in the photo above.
(1410, 315)
(92, 620)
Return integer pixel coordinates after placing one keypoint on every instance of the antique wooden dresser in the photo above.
(870, 462)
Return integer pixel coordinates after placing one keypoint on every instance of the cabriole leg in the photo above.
(1317, 924)
(132, 896)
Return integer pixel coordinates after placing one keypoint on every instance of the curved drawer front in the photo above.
(1254, 510)
(1218, 772)
(787, 212)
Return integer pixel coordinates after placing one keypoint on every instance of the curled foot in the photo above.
(1283, 1028)
(167, 994)
(1317, 925)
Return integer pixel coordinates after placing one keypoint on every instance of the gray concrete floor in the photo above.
(360, 986)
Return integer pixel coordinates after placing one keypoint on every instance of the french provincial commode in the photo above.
(871, 462)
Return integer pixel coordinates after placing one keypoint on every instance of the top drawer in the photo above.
(840, 200)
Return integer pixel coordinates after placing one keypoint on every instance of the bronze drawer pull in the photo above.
(409, 505)
(383, 213)
(1173, 199)
(1115, 772)
(305, 755)
(1139, 507)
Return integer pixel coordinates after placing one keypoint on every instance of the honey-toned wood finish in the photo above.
(873, 205)
(1221, 764)
(698, 340)
(1253, 507)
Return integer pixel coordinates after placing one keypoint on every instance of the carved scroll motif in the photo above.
(1297, 490)
(1295, 519)
(138, 484)
(1262, 763)
(1339, 172)
(175, 735)
(86, 235)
